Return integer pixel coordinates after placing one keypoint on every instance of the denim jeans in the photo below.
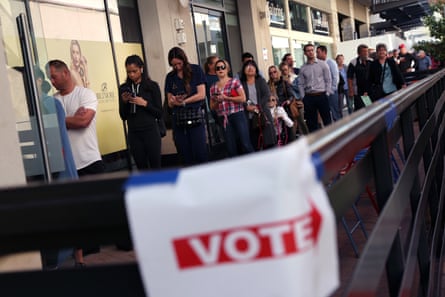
(237, 129)
(333, 106)
(191, 143)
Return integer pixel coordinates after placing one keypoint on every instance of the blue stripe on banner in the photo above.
(390, 114)
(161, 177)
(318, 163)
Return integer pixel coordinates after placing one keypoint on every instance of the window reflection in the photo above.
(298, 17)
(320, 22)
(280, 46)
(277, 14)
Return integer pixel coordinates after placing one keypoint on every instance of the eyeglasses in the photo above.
(272, 100)
(222, 67)
(272, 72)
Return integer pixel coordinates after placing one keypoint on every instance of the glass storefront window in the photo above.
(320, 22)
(280, 46)
(209, 2)
(298, 17)
(277, 14)
(298, 53)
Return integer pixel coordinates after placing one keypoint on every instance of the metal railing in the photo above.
(409, 258)
(91, 211)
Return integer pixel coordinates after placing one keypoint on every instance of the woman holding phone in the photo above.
(140, 105)
(185, 91)
(228, 98)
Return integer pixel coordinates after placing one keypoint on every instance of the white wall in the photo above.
(349, 48)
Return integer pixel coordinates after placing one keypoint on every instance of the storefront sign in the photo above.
(276, 12)
(320, 22)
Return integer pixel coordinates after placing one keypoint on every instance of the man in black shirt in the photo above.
(358, 73)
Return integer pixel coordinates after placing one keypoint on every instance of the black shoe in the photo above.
(80, 265)
(91, 250)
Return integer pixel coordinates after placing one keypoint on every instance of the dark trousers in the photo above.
(358, 102)
(237, 129)
(314, 104)
(94, 168)
(191, 144)
(145, 147)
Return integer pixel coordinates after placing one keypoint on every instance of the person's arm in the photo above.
(84, 63)
(241, 98)
(81, 119)
(334, 76)
(301, 82)
(326, 77)
(350, 74)
(199, 96)
(122, 105)
(283, 115)
(155, 106)
(398, 78)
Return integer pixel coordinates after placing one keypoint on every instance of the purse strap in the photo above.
(382, 76)
(285, 88)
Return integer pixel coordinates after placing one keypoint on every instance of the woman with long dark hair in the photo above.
(257, 91)
(186, 90)
(141, 106)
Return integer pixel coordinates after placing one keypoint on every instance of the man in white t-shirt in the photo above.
(80, 106)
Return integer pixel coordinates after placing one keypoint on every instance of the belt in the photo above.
(315, 94)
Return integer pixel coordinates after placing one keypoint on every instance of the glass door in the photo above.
(210, 34)
(35, 112)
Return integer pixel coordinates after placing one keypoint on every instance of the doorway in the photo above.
(210, 34)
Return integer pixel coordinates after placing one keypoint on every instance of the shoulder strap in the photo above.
(382, 76)
(285, 88)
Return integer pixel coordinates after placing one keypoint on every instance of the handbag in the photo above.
(162, 127)
(259, 120)
(188, 117)
(294, 109)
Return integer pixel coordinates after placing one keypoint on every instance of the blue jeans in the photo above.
(191, 143)
(333, 106)
(237, 129)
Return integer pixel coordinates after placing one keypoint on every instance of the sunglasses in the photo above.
(272, 100)
(272, 72)
(222, 67)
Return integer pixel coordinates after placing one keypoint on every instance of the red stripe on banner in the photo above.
(249, 243)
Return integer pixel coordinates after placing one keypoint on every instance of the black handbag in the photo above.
(259, 120)
(162, 127)
(188, 117)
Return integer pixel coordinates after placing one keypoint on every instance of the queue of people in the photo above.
(244, 107)
(252, 113)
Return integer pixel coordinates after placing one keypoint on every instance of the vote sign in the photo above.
(259, 225)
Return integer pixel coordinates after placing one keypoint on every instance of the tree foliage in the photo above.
(436, 24)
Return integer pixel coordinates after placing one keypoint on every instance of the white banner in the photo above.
(259, 225)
